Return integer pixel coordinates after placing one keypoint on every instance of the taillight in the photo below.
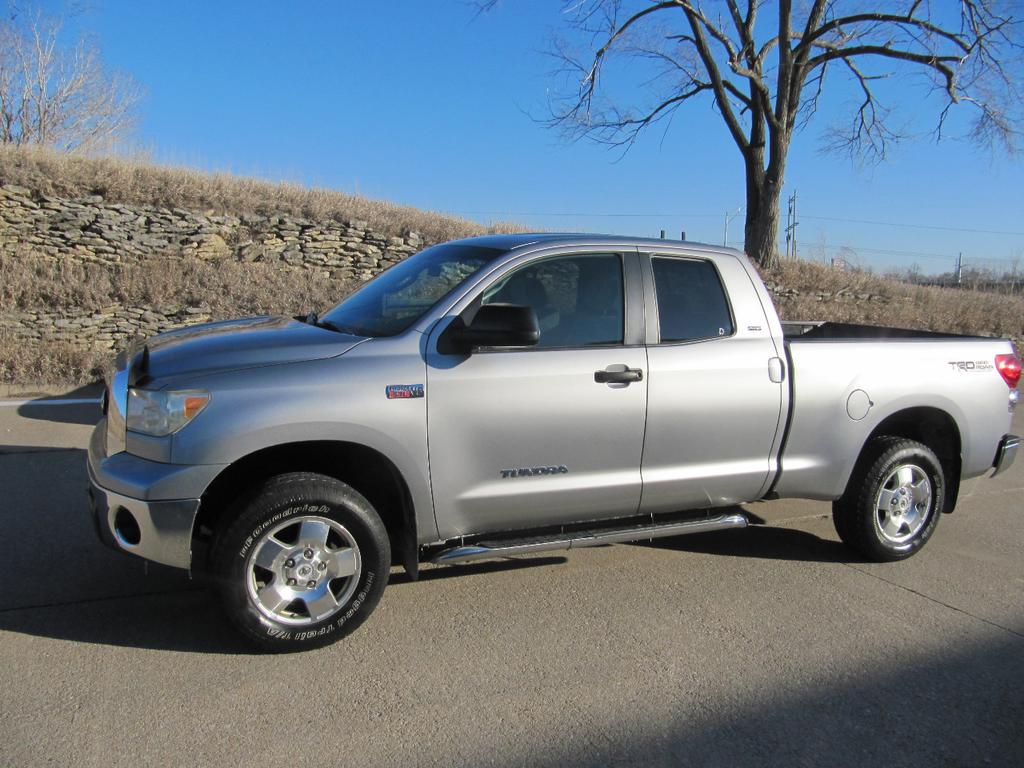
(1009, 368)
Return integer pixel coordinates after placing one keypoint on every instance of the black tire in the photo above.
(899, 524)
(283, 519)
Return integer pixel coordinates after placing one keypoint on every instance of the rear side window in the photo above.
(691, 301)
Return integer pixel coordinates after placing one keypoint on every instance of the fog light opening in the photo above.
(126, 527)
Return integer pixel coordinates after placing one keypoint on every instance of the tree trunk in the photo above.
(762, 223)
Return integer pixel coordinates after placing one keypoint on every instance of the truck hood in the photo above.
(235, 344)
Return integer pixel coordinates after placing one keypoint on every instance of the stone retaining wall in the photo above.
(92, 230)
(781, 294)
(109, 328)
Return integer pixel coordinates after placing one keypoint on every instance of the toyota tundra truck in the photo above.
(512, 394)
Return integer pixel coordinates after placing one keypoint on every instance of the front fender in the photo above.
(339, 399)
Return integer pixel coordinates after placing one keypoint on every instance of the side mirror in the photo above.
(494, 325)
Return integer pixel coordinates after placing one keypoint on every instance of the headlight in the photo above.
(162, 413)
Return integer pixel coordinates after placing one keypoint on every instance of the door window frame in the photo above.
(634, 328)
(652, 330)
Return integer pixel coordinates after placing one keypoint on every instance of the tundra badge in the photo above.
(531, 471)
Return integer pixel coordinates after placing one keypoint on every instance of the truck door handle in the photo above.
(618, 377)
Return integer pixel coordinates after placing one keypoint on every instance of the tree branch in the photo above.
(938, 63)
(721, 97)
(869, 134)
(909, 20)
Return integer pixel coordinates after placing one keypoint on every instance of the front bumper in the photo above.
(1006, 453)
(160, 531)
(144, 507)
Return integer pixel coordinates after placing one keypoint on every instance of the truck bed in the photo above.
(846, 379)
(828, 331)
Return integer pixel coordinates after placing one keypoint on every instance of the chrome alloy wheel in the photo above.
(903, 504)
(304, 570)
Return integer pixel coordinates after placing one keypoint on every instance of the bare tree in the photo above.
(58, 96)
(764, 66)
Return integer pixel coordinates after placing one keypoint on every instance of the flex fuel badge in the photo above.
(403, 391)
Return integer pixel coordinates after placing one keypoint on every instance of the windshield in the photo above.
(401, 295)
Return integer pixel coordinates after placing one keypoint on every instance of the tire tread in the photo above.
(244, 513)
(852, 512)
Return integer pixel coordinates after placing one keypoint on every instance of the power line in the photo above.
(729, 217)
(967, 260)
(594, 215)
(678, 214)
(915, 226)
(791, 225)
(886, 251)
(810, 252)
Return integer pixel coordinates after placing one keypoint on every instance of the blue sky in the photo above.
(426, 104)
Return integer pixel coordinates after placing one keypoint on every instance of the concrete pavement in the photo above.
(768, 646)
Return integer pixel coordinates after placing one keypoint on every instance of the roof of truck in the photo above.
(517, 240)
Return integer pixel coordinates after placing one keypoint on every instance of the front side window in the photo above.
(398, 297)
(578, 299)
(691, 302)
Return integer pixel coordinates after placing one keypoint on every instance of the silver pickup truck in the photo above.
(519, 393)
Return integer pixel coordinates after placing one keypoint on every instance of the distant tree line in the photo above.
(1008, 280)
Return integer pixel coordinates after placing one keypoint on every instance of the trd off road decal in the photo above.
(970, 365)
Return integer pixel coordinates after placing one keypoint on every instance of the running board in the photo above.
(469, 553)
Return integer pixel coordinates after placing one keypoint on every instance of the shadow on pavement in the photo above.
(41, 410)
(96, 595)
(961, 707)
(761, 541)
(62, 582)
(475, 569)
(187, 619)
(183, 618)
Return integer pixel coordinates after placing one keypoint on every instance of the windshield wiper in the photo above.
(351, 331)
(313, 319)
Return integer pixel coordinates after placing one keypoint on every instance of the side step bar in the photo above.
(469, 553)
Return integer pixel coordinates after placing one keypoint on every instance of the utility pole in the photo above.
(960, 268)
(791, 225)
(729, 217)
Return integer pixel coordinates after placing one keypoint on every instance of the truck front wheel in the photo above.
(892, 503)
(301, 563)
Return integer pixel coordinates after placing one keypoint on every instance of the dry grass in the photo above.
(55, 362)
(128, 181)
(906, 306)
(228, 288)
(232, 289)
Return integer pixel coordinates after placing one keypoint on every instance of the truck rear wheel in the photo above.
(302, 564)
(892, 503)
